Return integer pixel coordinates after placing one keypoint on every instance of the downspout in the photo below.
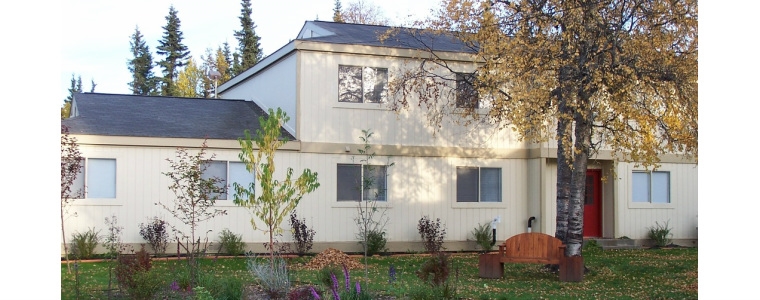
(530, 224)
(493, 229)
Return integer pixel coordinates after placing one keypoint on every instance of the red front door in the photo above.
(592, 208)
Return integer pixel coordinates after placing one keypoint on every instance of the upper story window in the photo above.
(367, 182)
(362, 84)
(99, 176)
(651, 187)
(478, 184)
(467, 95)
(229, 172)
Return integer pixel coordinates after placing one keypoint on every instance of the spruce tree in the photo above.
(337, 14)
(76, 87)
(175, 52)
(248, 42)
(141, 66)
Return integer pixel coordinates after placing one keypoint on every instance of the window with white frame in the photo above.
(229, 172)
(476, 184)
(362, 84)
(98, 176)
(367, 182)
(651, 187)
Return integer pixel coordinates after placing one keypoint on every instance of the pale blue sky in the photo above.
(96, 34)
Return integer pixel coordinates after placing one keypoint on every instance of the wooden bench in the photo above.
(536, 248)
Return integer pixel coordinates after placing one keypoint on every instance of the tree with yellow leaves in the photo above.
(190, 81)
(618, 74)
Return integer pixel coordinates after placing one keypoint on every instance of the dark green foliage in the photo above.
(483, 236)
(432, 234)
(222, 287)
(249, 46)
(375, 242)
(660, 234)
(302, 234)
(157, 234)
(323, 276)
(231, 243)
(83, 244)
(175, 52)
(141, 66)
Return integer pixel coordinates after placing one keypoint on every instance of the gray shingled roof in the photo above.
(409, 38)
(154, 116)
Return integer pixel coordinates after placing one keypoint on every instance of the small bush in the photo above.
(222, 287)
(83, 244)
(660, 234)
(432, 234)
(435, 271)
(375, 242)
(325, 273)
(157, 235)
(483, 236)
(271, 275)
(231, 243)
(134, 276)
(303, 235)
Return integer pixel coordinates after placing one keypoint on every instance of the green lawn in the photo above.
(613, 274)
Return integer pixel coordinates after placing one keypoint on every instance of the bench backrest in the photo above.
(532, 248)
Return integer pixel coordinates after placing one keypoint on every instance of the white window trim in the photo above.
(479, 204)
(116, 201)
(650, 205)
(387, 204)
(230, 201)
(363, 104)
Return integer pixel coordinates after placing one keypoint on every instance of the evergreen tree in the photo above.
(141, 66)
(92, 89)
(337, 15)
(76, 87)
(248, 42)
(175, 52)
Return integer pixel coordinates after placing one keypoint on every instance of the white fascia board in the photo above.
(267, 61)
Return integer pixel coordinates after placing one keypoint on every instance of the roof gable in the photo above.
(371, 35)
(172, 117)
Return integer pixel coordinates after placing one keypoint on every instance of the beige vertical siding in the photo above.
(324, 119)
(417, 186)
(634, 219)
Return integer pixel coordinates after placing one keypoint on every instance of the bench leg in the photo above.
(571, 269)
(489, 266)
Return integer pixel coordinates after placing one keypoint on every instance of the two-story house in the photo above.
(332, 80)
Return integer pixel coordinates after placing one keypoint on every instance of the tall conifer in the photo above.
(141, 66)
(248, 42)
(175, 52)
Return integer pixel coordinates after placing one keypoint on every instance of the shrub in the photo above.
(222, 287)
(325, 273)
(156, 234)
(134, 276)
(231, 243)
(375, 242)
(483, 237)
(303, 235)
(660, 234)
(432, 234)
(271, 275)
(83, 244)
(435, 271)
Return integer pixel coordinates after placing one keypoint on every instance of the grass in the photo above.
(618, 274)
